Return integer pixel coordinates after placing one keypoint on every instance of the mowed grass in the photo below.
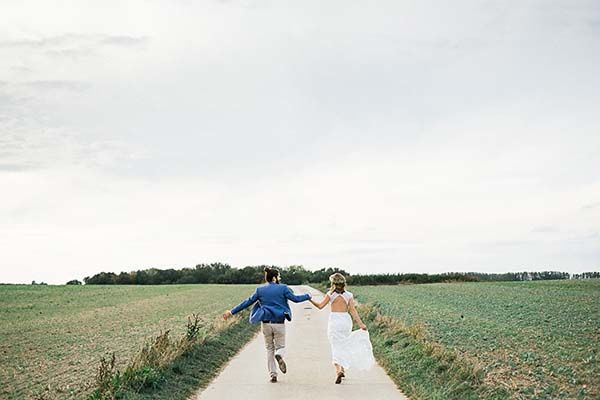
(530, 340)
(51, 337)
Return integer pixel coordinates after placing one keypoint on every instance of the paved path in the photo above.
(310, 372)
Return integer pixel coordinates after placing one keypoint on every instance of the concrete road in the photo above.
(310, 373)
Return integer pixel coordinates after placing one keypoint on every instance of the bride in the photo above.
(349, 349)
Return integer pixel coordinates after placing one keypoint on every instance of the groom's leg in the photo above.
(279, 339)
(270, 346)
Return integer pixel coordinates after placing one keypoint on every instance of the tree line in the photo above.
(391, 279)
(294, 275)
(210, 273)
(586, 275)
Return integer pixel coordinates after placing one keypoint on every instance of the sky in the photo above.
(389, 136)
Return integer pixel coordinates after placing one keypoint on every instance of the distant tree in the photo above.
(103, 278)
(186, 275)
(125, 278)
(586, 275)
(322, 275)
(294, 275)
(74, 282)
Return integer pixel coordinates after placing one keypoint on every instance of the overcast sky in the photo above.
(388, 136)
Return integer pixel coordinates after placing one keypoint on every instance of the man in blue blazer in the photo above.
(271, 308)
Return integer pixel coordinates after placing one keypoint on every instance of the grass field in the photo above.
(527, 340)
(51, 337)
(467, 341)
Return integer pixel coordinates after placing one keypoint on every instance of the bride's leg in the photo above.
(338, 373)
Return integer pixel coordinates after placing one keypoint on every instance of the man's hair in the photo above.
(271, 273)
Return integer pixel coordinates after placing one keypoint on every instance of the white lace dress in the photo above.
(350, 349)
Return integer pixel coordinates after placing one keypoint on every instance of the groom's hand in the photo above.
(227, 314)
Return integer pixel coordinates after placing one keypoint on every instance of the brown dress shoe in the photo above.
(273, 379)
(281, 363)
(339, 377)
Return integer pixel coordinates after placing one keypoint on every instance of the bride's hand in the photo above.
(363, 327)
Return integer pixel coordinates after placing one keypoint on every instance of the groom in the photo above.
(272, 309)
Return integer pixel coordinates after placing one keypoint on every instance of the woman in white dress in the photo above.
(348, 349)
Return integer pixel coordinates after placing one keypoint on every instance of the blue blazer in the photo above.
(271, 303)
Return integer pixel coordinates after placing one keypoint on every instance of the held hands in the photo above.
(227, 314)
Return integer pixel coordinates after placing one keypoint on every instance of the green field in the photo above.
(529, 340)
(51, 337)
(518, 340)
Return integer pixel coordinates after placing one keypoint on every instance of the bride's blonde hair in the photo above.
(338, 282)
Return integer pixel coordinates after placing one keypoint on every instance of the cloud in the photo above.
(125, 41)
(71, 53)
(73, 45)
(36, 43)
(369, 250)
(71, 39)
(545, 229)
(27, 146)
(591, 206)
(16, 167)
(70, 85)
(36, 134)
(505, 243)
(21, 69)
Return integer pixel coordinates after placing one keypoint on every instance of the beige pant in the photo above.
(274, 343)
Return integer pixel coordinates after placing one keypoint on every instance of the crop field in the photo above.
(531, 340)
(51, 337)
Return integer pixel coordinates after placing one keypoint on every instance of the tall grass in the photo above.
(421, 367)
(147, 370)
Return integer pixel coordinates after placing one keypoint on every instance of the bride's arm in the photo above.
(354, 313)
(321, 304)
